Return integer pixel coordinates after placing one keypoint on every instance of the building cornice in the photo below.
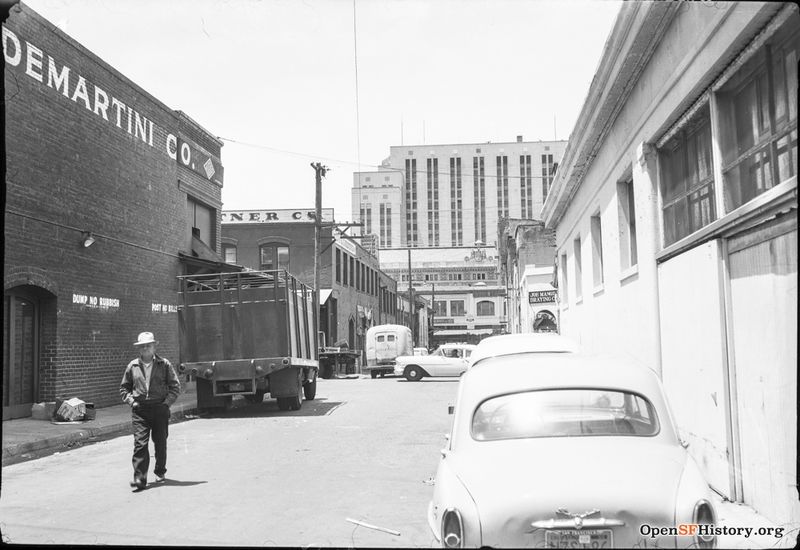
(639, 28)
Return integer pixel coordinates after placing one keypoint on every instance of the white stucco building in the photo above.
(675, 210)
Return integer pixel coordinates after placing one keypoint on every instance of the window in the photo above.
(338, 266)
(758, 119)
(433, 201)
(456, 211)
(597, 250)
(440, 308)
(687, 179)
(564, 413)
(485, 308)
(229, 253)
(345, 271)
(502, 186)
(274, 256)
(479, 197)
(628, 255)
(548, 173)
(457, 307)
(352, 270)
(202, 222)
(525, 186)
(576, 247)
(411, 202)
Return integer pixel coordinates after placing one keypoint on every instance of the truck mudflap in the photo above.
(248, 376)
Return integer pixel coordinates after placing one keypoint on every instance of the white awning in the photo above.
(324, 294)
(477, 332)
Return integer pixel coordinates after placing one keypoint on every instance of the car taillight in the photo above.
(704, 515)
(452, 530)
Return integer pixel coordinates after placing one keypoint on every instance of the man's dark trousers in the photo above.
(150, 419)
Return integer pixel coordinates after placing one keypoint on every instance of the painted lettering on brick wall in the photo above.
(274, 216)
(43, 68)
(164, 308)
(99, 302)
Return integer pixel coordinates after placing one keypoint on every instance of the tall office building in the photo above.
(453, 195)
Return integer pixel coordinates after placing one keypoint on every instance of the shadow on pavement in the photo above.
(269, 408)
(427, 380)
(174, 483)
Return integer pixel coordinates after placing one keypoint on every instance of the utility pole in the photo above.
(411, 300)
(320, 172)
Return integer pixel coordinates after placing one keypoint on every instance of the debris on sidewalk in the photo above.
(368, 526)
(73, 411)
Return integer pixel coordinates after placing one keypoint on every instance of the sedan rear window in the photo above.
(564, 413)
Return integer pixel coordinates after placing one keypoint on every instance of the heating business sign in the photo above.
(542, 296)
(23, 56)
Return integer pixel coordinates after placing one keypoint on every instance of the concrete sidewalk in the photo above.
(22, 437)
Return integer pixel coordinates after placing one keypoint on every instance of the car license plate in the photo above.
(579, 538)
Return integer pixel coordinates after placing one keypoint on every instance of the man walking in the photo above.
(149, 385)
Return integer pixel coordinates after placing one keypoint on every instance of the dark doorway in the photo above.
(22, 322)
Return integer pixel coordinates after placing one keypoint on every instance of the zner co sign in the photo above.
(108, 107)
(274, 216)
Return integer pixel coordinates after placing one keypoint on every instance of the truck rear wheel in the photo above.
(310, 390)
(373, 373)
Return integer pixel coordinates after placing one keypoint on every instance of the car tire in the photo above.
(413, 373)
(373, 374)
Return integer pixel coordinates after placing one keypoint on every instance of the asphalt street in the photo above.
(252, 476)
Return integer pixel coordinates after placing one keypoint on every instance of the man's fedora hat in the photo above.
(145, 338)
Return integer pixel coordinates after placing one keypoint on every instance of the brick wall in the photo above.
(71, 169)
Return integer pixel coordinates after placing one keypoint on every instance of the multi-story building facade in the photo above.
(109, 196)
(462, 284)
(675, 210)
(527, 256)
(450, 198)
(454, 195)
(377, 199)
(355, 293)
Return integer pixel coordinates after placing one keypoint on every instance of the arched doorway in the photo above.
(545, 322)
(351, 333)
(22, 333)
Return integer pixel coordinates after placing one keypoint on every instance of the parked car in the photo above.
(512, 344)
(578, 452)
(447, 360)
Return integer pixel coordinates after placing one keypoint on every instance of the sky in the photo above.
(285, 83)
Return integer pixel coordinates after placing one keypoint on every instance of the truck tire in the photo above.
(310, 390)
(283, 403)
(373, 373)
(413, 373)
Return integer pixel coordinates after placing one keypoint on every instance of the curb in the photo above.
(70, 439)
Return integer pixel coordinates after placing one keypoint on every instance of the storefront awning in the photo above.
(324, 294)
(199, 266)
(476, 332)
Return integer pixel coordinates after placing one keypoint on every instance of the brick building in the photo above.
(354, 293)
(109, 196)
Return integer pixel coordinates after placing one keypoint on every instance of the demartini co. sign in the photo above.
(36, 64)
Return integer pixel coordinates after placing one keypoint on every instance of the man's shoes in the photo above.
(160, 479)
(138, 484)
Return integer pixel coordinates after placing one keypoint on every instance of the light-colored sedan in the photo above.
(574, 452)
(447, 360)
(513, 344)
